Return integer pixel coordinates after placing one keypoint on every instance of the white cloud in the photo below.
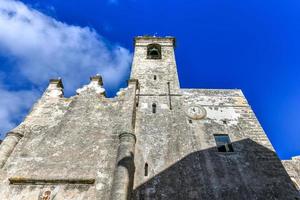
(13, 104)
(45, 47)
(42, 48)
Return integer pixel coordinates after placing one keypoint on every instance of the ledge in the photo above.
(34, 181)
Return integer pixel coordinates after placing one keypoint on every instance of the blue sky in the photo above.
(252, 45)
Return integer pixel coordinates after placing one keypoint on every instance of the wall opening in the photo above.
(169, 94)
(154, 77)
(154, 51)
(153, 108)
(223, 143)
(146, 169)
(190, 121)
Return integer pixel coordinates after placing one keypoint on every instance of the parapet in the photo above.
(55, 88)
(163, 41)
(296, 158)
(56, 82)
(95, 84)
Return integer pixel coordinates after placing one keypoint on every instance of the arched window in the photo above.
(154, 108)
(154, 51)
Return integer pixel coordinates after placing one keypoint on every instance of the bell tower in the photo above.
(154, 65)
(159, 114)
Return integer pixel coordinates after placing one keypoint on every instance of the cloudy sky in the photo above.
(252, 45)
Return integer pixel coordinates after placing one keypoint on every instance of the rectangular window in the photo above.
(223, 143)
(146, 169)
(153, 108)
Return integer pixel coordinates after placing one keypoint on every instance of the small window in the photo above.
(223, 143)
(153, 108)
(146, 169)
(190, 121)
(154, 77)
(154, 51)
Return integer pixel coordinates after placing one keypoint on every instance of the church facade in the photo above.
(154, 140)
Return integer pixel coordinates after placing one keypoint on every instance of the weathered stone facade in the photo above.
(293, 168)
(153, 140)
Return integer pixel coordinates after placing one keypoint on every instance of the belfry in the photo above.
(153, 141)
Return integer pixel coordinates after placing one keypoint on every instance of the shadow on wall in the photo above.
(250, 172)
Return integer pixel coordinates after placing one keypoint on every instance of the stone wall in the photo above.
(154, 140)
(176, 155)
(293, 168)
(69, 145)
(182, 158)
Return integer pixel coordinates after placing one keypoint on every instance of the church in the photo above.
(153, 141)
